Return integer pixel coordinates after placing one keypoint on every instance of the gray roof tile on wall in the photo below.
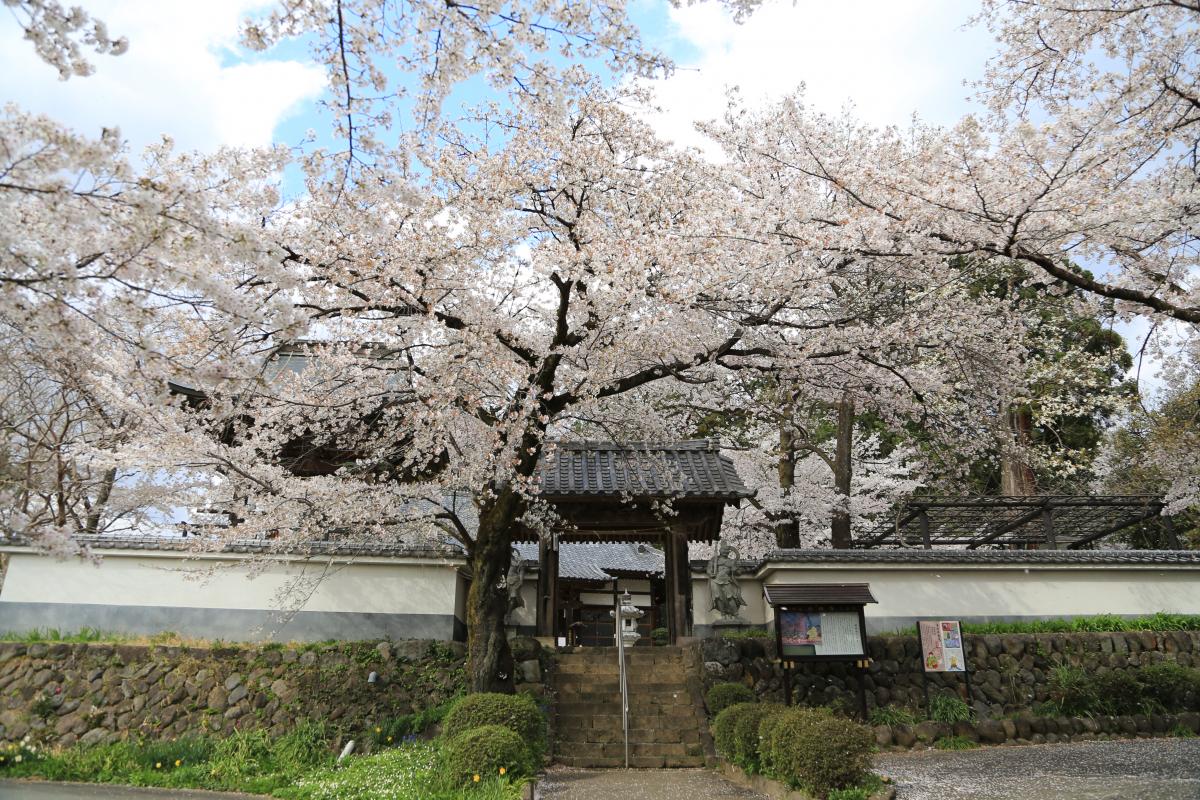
(184, 544)
(986, 556)
(693, 469)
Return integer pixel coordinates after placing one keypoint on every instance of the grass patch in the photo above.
(414, 770)
(297, 766)
(955, 743)
(745, 633)
(893, 715)
(56, 635)
(1100, 623)
(872, 784)
(949, 708)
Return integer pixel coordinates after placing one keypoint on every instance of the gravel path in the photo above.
(564, 783)
(1137, 769)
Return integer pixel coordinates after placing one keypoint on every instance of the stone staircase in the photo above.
(667, 724)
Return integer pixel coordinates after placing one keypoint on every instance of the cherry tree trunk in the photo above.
(842, 474)
(1016, 476)
(787, 529)
(489, 659)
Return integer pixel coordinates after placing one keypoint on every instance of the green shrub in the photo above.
(1115, 692)
(893, 715)
(1072, 691)
(766, 732)
(485, 751)
(659, 635)
(517, 712)
(817, 751)
(736, 732)
(723, 725)
(746, 741)
(1171, 686)
(722, 695)
(949, 708)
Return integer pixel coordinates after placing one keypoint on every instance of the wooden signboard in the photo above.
(820, 623)
(942, 650)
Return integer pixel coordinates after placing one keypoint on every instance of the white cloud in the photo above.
(890, 59)
(184, 75)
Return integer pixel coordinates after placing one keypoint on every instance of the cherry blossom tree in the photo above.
(59, 34)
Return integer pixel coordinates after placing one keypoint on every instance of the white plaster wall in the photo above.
(1022, 591)
(414, 586)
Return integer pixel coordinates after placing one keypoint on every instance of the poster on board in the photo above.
(820, 633)
(942, 646)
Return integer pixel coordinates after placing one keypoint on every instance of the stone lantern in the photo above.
(629, 616)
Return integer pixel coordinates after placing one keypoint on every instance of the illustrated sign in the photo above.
(820, 633)
(942, 646)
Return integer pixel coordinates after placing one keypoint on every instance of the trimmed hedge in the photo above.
(722, 695)
(516, 712)
(723, 725)
(816, 751)
(485, 751)
(746, 741)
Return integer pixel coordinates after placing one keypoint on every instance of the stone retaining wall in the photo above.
(1010, 673)
(61, 693)
(1026, 728)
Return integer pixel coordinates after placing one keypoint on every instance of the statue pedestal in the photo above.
(725, 625)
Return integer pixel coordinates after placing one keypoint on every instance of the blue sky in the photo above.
(186, 76)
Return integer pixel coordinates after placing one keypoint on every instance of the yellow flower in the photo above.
(158, 765)
(389, 740)
(475, 778)
(378, 729)
(179, 762)
(503, 770)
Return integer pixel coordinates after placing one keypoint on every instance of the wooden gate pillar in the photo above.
(678, 582)
(547, 589)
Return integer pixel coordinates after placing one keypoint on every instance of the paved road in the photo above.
(31, 790)
(1137, 769)
(564, 783)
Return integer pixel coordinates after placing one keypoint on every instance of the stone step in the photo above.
(568, 702)
(634, 677)
(586, 711)
(647, 735)
(612, 689)
(604, 668)
(617, 748)
(640, 755)
(637, 762)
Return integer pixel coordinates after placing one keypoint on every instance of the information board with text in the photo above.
(942, 645)
(820, 633)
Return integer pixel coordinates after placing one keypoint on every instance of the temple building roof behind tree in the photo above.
(693, 469)
(600, 561)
